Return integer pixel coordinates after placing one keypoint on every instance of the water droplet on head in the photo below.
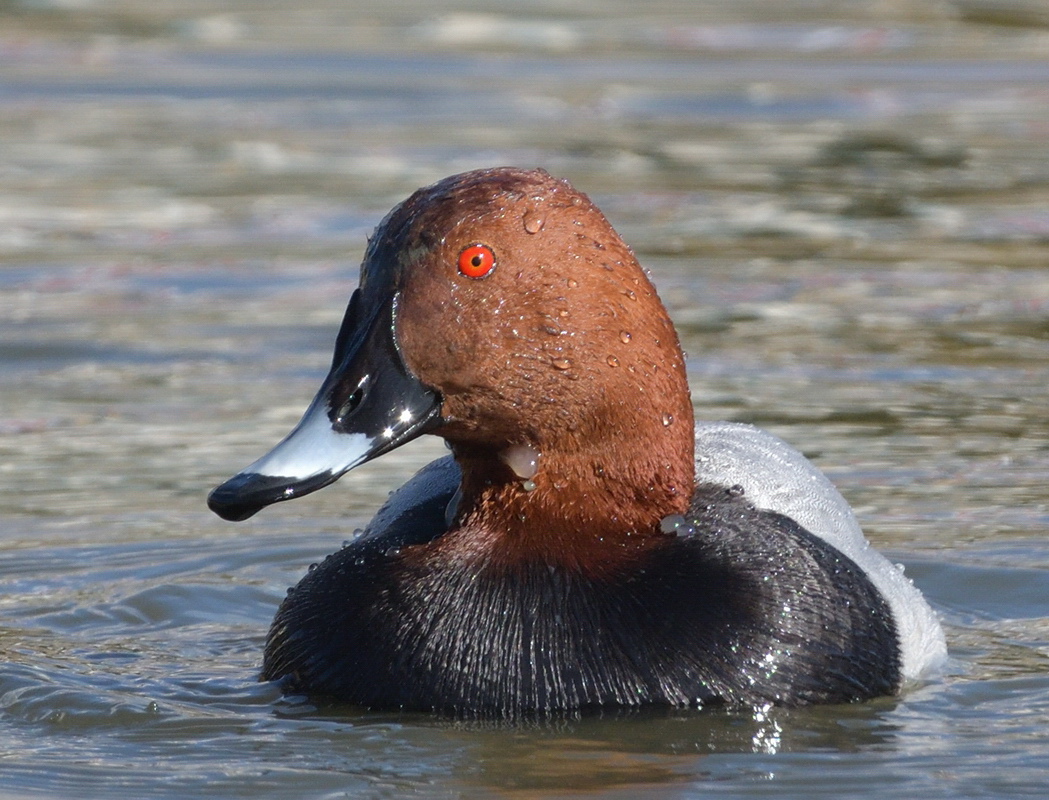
(533, 221)
(393, 551)
(668, 420)
(735, 490)
(624, 337)
(311, 568)
(561, 363)
(612, 361)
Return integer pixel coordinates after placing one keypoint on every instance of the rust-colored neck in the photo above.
(600, 490)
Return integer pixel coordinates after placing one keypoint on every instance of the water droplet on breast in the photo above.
(452, 508)
(522, 459)
(561, 363)
(668, 420)
(612, 361)
(572, 283)
(671, 523)
(624, 337)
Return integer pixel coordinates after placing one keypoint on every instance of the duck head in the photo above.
(500, 310)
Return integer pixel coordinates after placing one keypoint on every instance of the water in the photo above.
(845, 211)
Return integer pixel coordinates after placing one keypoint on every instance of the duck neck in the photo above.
(588, 503)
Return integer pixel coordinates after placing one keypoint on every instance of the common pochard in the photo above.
(585, 544)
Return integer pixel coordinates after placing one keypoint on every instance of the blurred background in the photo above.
(844, 205)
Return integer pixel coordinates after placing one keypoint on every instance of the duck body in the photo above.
(585, 545)
(723, 610)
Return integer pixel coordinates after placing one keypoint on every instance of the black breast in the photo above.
(740, 607)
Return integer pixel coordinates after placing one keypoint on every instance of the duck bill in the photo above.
(369, 404)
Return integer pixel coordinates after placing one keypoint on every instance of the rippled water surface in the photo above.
(845, 208)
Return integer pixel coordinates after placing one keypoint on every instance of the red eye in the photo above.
(476, 261)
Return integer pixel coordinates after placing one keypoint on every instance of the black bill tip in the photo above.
(244, 495)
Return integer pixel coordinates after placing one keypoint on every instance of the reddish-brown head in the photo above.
(500, 310)
(530, 316)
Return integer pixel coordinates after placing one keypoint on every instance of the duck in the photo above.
(587, 544)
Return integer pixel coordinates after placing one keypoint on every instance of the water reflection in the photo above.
(641, 750)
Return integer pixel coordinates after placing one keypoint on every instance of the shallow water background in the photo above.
(844, 205)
